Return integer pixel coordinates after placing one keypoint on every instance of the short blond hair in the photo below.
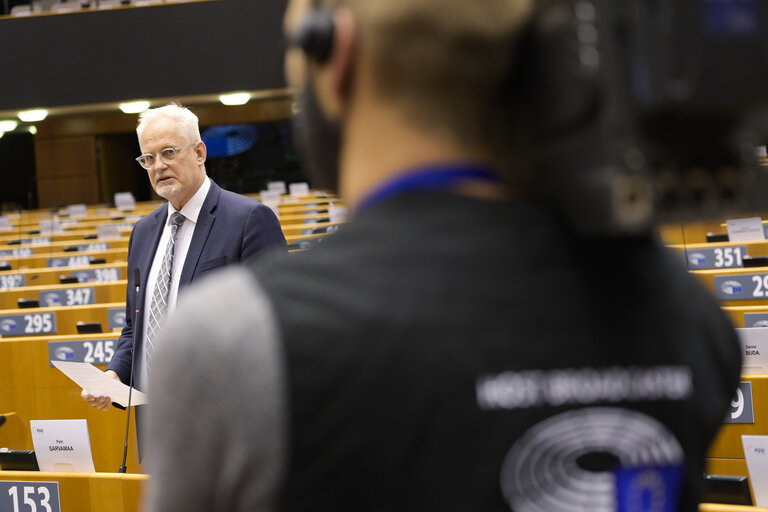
(446, 62)
(187, 124)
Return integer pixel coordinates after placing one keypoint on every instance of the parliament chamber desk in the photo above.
(65, 294)
(82, 492)
(114, 492)
(64, 246)
(34, 390)
(103, 272)
(55, 320)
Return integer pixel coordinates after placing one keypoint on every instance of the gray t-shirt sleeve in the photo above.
(217, 401)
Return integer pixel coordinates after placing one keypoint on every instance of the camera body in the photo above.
(647, 111)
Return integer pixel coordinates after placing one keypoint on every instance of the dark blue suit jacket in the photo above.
(230, 228)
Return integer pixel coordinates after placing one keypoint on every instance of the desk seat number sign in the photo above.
(28, 324)
(12, 281)
(29, 497)
(742, 408)
(67, 297)
(82, 351)
(742, 286)
(718, 257)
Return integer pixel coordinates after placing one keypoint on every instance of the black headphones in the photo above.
(315, 35)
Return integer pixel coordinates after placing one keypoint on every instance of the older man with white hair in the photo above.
(200, 229)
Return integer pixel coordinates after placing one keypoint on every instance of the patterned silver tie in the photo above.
(158, 308)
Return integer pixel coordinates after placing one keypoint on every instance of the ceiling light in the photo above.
(32, 129)
(134, 107)
(1, 134)
(33, 116)
(8, 126)
(238, 98)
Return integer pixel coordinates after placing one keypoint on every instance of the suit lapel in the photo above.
(203, 227)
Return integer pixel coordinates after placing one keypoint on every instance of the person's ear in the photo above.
(333, 76)
(201, 152)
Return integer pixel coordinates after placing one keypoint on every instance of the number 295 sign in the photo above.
(29, 497)
(742, 286)
(28, 324)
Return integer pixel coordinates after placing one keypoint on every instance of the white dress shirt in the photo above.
(191, 211)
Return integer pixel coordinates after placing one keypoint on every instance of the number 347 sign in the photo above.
(29, 497)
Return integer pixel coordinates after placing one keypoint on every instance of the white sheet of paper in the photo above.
(62, 445)
(745, 230)
(98, 383)
(756, 452)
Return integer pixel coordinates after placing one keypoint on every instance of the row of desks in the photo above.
(114, 492)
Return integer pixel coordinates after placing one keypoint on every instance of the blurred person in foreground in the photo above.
(455, 346)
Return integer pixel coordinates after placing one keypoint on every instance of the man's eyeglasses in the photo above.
(167, 155)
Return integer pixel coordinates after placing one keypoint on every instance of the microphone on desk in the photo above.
(136, 314)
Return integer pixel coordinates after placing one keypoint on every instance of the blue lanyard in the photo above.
(429, 178)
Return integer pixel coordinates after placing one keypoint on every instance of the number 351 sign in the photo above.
(29, 497)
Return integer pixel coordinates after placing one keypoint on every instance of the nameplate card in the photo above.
(82, 351)
(62, 445)
(77, 211)
(742, 409)
(108, 231)
(741, 286)
(755, 320)
(21, 252)
(339, 214)
(29, 496)
(69, 261)
(116, 317)
(717, 257)
(12, 281)
(756, 454)
(29, 324)
(745, 230)
(99, 275)
(67, 297)
(299, 189)
(277, 186)
(268, 196)
(754, 350)
(124, 201)
(50, 226)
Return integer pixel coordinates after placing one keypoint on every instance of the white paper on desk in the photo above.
(756, 453)
(745, 230)
(62, 445)
(98, 383)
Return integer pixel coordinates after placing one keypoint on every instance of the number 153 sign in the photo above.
(29, 497)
